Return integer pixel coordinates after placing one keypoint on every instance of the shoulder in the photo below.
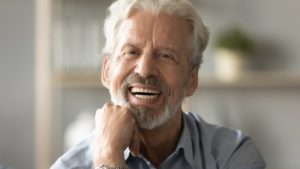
(227, 147)
(213, 134)
(78, 157)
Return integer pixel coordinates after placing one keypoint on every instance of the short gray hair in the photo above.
(121, 10)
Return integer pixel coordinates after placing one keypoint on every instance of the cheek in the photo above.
(118, 73)
(177, 85)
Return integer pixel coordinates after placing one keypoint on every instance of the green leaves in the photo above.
(235, 39)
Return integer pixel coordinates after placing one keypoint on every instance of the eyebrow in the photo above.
(160, 47)
(130, 44)
(168, 48)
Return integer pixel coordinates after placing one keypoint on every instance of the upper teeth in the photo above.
(143, 90)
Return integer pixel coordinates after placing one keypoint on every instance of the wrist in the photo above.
(109, 158)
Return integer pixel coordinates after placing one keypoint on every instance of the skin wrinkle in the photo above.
(156, 26)
(149, 45)
(143, 115)
(153, 39)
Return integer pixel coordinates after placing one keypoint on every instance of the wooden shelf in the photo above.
(252, 80)
(206, 80)
(77, 80)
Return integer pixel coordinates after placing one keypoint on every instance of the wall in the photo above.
(17, 83)
(273, 24)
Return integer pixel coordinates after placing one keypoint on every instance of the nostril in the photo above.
(146, 69)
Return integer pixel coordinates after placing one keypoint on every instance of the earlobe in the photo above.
(192, 82)
(105, 75)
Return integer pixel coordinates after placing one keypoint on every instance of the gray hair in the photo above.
(121, 10)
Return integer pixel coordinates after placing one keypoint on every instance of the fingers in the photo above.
(98, 117)
(116, 129)
(100, 113)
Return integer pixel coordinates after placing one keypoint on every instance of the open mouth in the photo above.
(144, 93)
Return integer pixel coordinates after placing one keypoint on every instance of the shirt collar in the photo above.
(185, 143)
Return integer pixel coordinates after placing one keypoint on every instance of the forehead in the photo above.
(161, 29)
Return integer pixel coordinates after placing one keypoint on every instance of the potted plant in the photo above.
(232, 47)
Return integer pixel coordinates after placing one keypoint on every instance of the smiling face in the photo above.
(149, 70)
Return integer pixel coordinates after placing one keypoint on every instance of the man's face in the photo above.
(149, 70)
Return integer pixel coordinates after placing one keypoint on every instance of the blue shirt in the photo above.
(201, 146)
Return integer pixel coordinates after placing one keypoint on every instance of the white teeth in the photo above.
(145, 97)
(143, 90)
(144, 94)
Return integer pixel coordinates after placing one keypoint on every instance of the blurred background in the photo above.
(50, 62)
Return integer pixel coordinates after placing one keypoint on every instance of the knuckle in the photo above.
(107, 105)
(127, 112)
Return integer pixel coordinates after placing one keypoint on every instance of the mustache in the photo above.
(151, 80)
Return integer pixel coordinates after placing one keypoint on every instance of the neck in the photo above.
(157, 144)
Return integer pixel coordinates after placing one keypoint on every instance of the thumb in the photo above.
(135, 142)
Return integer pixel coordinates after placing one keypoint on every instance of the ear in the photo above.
(105, 73)
(192, 82)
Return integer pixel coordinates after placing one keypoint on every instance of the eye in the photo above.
(130, 53)
(165, 55)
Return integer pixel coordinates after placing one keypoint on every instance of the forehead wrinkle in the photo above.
(164, 32)
(157, 31)
(129, 35)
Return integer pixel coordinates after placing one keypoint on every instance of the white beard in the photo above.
(145, 118)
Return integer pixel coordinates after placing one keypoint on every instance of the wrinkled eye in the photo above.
(130, 53)
(166, 55)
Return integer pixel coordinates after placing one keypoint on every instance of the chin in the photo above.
(150, 120)
(147, 119)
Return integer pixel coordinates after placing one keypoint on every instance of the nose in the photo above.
(146, 65)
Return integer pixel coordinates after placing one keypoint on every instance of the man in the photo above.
(152, 55)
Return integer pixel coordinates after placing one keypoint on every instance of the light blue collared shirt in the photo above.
(201, 146)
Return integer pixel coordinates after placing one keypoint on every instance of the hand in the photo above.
(116, 129)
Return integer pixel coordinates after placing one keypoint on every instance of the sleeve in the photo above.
(233, 150)
(78, 157)
(245, 156)
(59, 165)
(71, 160)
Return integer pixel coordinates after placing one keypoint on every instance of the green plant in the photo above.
(235, 39)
